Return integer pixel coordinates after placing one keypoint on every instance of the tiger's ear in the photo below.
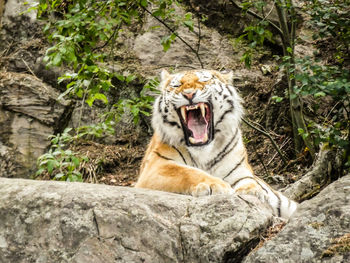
(164, 75)
(227, 76)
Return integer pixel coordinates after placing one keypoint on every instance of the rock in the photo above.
(314, 231)
(326, 168)
(29, 113)
(216, 51)
(14, 8)
(44, 221)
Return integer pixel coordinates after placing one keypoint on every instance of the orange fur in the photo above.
(159, 171)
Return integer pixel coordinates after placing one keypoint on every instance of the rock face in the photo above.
(75, 222)
(29, 113)
(317, 232)
(29, 108)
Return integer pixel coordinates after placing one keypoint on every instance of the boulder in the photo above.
(319, 231)
(29, 113)
(43, 221)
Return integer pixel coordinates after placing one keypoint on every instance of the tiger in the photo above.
(197, 147)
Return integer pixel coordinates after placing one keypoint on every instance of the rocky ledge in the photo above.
(43, 221)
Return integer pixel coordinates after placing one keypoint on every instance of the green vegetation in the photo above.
(308, 76)
(61, 163)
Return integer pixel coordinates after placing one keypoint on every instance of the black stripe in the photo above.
(224, 151)
(223, 116)
(229, 90)
(231, 103)
(279, 205)
(183, 159)
(267, 192)
(220, 92)
(240, 179)
(234, 168)
(160, 103)
(277, 194)
(164, 157)
(171, 123)
(192, 160)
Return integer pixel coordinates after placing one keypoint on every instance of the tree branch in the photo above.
(284, 159)
(116, 29)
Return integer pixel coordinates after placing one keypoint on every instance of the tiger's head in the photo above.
(194, 105)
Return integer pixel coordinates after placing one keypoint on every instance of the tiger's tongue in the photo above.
(197, 124)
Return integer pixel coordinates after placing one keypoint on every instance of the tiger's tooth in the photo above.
(205, 137)
(192, 140)
(183, 113)
(202, 109)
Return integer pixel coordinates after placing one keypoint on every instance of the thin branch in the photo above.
(176, 34)
(261, 161)
(29, 69)
(199, 35)
(116, 29)
(269, 13)
(276, 27)
(293, 25)
(284, 27)
(284, 159)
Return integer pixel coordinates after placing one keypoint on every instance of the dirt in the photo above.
(111, 164)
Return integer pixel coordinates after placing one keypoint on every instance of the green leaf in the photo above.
(100, 96)
(40, 171)
(120, 77)
(59, 176)
(319, 94)
(130, 78)
(144, 3)
(57, 60)
(277, 98)
(50, 166)
(75, 160)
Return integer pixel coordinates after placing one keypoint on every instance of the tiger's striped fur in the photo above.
(197, 146)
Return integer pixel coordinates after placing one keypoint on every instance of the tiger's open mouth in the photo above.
(197, 123)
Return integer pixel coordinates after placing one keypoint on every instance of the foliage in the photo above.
(80, 32)
(138, 105)
(61, 163)
(256, 35)
(333, 81)
(331, 19)
(307, 76)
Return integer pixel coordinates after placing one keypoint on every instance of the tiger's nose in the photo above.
(189, 94)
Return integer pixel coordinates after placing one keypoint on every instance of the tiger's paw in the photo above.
(251, 188)
(212, 188)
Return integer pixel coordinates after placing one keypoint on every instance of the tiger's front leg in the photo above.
(171, 177)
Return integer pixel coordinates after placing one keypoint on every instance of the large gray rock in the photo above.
(29, 113)
(313, 229)
(44, 221)
(216, 51)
